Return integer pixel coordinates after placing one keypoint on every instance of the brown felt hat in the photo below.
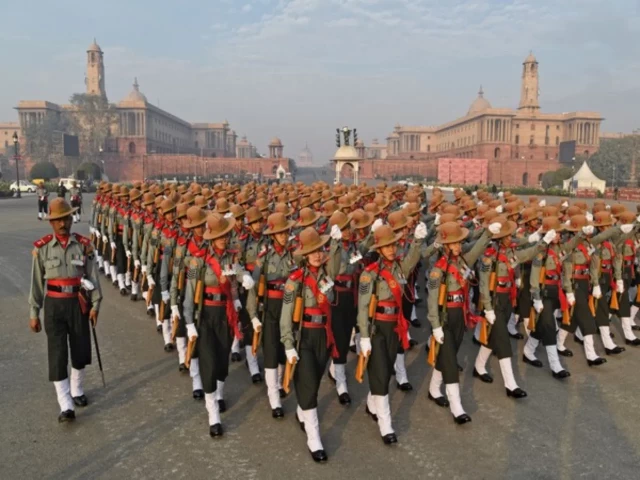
(552, 223)
(157, 202)
(451, 232)
(550, 211)
(307, 217)
(262, 204)
(488, 217)
(278, 222)
(340, 219)
(397, 220)
(181, 210)
(282, 207)
(361, 219)
(148, 199)
(310, 241)
(507, 227)
(627, 217)
(123, 192)
(412, 209)
(195, 217)
(253, 215)
(222, 206)
(373, 209)
(328, 208)
(383, 236)
(59, 208)
(200, 201)
(237, 211)
(528, 215)
(512, 209)
(217, 226)
(134, 194)
(617, 209)
(167, 206)
(602, 219)
(576, 222)
(188, 198)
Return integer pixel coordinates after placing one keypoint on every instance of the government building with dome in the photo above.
(519, 144)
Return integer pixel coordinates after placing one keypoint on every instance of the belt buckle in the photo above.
(389, 310)
(66, 289)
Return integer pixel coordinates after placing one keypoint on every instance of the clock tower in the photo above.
(95, 71)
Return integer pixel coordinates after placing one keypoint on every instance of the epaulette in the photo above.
(243, 236)
(43, 241)
(296, 275)
(182, 241)
(372, 267)
(83, 240)
(232, 252)
(263, 252)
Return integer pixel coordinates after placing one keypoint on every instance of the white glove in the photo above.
(247, 281)
(638, 218)
(136, 263)
(596, 292)
(490, 315)
(495, 228)
(437, 220)
(590, 216)
(151, 282)
(92, 230)
(626, 228)
(549, 236)
(565, 204)
(420, 231)
(336, 234)
(237, 305)
(228, 215)
(128, 253)
(438, 334)
(113, 245)
(404, 205)
(499, 209)
(518, 282)
(534, 237)
(292, 355)
(165, 296)
(98, 235)
(567, 223)
(87, 284)
(588, 229)
(500, 194)
(608, 207)
(619, 286)
(257, 324)
(143, 268)
(175, 313)
(191, 330)
(480, 202)
(542, 203)
(571, 298)
(365, 346)
(376, 224)
(537, 305)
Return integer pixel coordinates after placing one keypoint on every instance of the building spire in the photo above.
(136, 86)
(481, 92)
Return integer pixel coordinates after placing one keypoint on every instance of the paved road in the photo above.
(146, 425)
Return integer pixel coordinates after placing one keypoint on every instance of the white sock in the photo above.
(120, 278)
(579, 334)
(525, 322)
(482, 358)
(39, 214)
(352, 342)
(114, 273)
(435, 384)
(507, 373)
(476, 332)
(299, 414)
(145, 295)
(212, 408)
(252, 361)
(100, 261)
(530, 348)
(194, 373)
(235, 346)
(135, 288)
(77, 377)
(589, 349)
(181, 345)
(554, 358)
(383, 410)
(166, 331)
(280, 375)
(626, 328)
(455, 403)
(341, 378)
(605, 334)
(156, 308)
(312, 429)
(561, 337)
(219, 390)
(401, 371)
(64, 395)
(127, 279)
(107, 269)
(511, 325)
(414, 314)
(634, 312)
(273, 392)
(371, 404)
(358, 336)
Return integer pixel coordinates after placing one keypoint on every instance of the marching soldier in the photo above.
(626, 257)
(149, 219)
(120, 224)
(64, 283)
(168, 239)
(76, 201)
(132, 239)
(43, 200)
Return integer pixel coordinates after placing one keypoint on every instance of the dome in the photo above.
(530, 58)
(394, 135)
(359, 143)
(346, 152)
(94, 47)
(243, 141)
(275, 142)
(135, 96)
(480, 104)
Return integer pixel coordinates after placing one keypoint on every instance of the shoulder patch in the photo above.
(296, 275)
(365, 277)
(83, 240)
(434, 280)
(487, 260)
(182, 241)
(43, 241)
(372, 267)
(290, 287)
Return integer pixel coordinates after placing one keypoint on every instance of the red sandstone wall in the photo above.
(463, 171)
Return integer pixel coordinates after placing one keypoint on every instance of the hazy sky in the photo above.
(300, 68)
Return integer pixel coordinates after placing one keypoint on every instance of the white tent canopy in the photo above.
(584, 178)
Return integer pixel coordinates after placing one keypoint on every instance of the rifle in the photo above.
(95, 341)
(443, 293)
(533, 315)
(290, 368)
(262, 308)
(363, 360)
(198, 299)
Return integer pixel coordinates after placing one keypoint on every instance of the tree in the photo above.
(88, 171)
(613, 160)
(93, 117)
(43, 140)
(555, 179)
(44, 170)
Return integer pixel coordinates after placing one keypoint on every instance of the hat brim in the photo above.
(603, 224)
(524, 221)
(397, 228)
(344, 224)
(209, 235)
(301, 252)
(386, 242)
(511, 227)
(133, 199)
(464, 233)
(189, 224)
(289, 226)
(150, 202)
(307, 223)
(254, 220)
(172, 209)
(63, 214)
(569, 228)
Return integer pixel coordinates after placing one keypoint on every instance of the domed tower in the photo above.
(275, 148)
(95, 70)
(529, 91)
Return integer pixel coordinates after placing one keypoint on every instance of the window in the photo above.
(557, 140)
(132, 147)
(546, 156)
(533, 126)
(546, 140)
(557, 127)
(531, 140)
(496, 153)
(517, 126)
(517, 139)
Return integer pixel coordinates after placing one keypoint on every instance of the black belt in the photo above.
(215, 297)
(320, 319)
(64, 289)
(275, 286)
(387, 310)
(552, 277)
(345, 284)
(504, 284)
(457, 298)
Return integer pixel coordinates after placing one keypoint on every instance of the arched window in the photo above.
(496, 152)
(132, 147)
(557, 140)
(540, 178)
(525, 178)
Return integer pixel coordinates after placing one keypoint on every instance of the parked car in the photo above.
(24, 187)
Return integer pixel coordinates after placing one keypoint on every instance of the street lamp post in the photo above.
(16, 158)
(573, 169)
(526, 170)
(100, 150)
